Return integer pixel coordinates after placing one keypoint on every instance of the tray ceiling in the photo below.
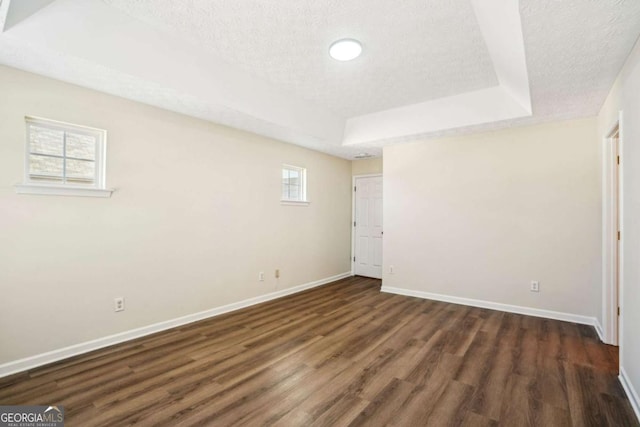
(428, 68)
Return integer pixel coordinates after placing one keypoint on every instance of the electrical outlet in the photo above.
(535, 286)
(391, 269)
(277, 273)
(261, 276)
(118, 304)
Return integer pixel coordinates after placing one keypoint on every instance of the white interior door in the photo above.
(368, 227)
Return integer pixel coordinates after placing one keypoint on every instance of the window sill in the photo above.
(294, 203)
(52, 190)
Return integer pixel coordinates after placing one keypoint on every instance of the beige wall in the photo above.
(195, 217)
(624, 97)
(482, 216)
(366, 166)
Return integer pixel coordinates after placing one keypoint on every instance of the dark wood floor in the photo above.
(342, 354)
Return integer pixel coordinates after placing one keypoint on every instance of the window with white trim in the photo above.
(294, 184)
(63, 156)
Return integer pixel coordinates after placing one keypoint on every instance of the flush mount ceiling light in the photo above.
(345, 49)
(363, 156)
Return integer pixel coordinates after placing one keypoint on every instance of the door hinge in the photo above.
(618, 311)
(618, 235)
(354, 259)
(354, 189)
(354, 223)
(618, 159)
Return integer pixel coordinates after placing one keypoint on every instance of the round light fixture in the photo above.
(345, 49)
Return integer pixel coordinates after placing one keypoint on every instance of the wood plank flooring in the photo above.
(342, 354)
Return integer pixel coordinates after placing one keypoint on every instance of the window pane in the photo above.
(294, 192)
(45, 141)
(81, 146)
(80, 171)
(63, 153)
(292, 183)
(44, 167)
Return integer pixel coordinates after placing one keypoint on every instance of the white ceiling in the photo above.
(413, 50)
(428, 68)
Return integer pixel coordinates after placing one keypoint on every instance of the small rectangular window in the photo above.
(294, 184)
(63, 156)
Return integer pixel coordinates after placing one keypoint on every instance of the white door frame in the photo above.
(612, 328)
(353, 216)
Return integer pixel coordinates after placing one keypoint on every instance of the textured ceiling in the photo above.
(575, 50)
(414, 50)
(263, 66)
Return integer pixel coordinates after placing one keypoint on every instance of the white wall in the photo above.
(481, 216)
(625, 97)
(366, 166)
(195, 217)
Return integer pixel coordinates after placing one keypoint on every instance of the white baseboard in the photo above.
(85, 347)
(631, 392)
(599, 330)
(567, 317)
